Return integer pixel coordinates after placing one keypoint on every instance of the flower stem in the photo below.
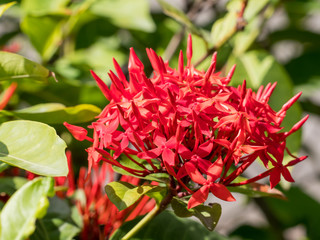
(142, 223)
(147, 218)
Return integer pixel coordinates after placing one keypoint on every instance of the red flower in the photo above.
(189, 124)
(213, 173)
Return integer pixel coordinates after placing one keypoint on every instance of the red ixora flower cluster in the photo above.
(191, 125)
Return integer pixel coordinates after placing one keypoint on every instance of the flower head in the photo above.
(189, 124)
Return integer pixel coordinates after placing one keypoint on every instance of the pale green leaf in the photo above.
(56, 113)
(15, 67)
(4, 7)
(19, 214)
(124, 194)
(33, 146)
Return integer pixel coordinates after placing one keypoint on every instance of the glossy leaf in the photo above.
(14, 67)
(167, 226)
(124, 194)
(208, 215)
(57, 223)
(4, 7)
(33, 146)
(19, 214)
(56, 113)
(126, 14)
(258, 190)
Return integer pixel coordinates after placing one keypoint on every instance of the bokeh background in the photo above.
(274, 40)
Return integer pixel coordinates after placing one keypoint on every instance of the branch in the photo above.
(240, 24)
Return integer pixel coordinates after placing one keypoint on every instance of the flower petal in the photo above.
(194, 173)
(199, 197)
(168, 156)
(222, 192)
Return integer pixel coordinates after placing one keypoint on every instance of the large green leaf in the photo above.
(126, 14)
(15, 67)
(19, 214)
(57, 223)
(208, 215)
(124, 194)
(33, 146)
(54, 113)
(167, 226)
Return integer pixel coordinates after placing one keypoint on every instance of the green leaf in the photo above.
(126, 14)
(125, 161)
(167, 226)
(97, 57)
(208, 215)
(9, 185)
(45, 32)
(252, 9)
(34, 147)
(258, 190)
(124, 194)
(19, 214)
(158, 193)
(57, 223)
(300, 210)
(4, 7)
(223, 29)
(56, 113)
(3, 166)
(179, 16)
(244, 39)
(15, 67)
